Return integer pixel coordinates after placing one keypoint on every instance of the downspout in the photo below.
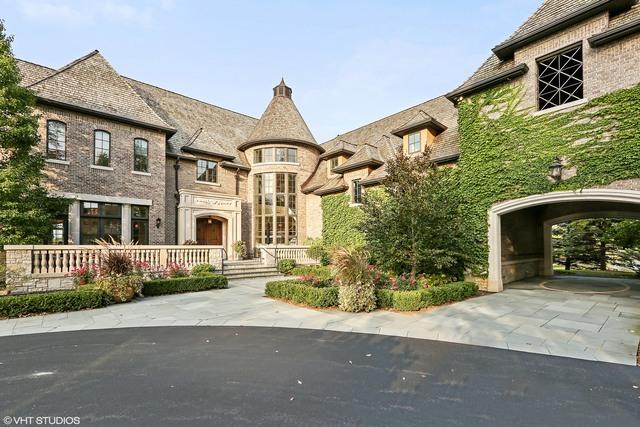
(176, 195)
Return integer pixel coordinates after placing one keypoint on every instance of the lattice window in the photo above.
(560, 78)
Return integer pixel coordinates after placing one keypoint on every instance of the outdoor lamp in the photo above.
(158, 222)
(555, 170)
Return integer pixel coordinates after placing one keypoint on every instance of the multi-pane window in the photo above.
(56, 140)
(333, 163)
(101, 148)
(275, 208)
(140, 155)
(207, 171)
(560, 78)
(140, 224)
(277, 154)
(100, 221)
(59, 232)
(357, 191)
(415, 144)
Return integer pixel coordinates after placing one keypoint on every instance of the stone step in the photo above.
(248, 267)
(233, 276)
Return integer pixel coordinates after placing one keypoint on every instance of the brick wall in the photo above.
(606, 69)
(79, 177)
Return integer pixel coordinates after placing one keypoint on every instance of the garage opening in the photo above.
(521, 231)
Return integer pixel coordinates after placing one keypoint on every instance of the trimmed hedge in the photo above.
(184, 284)
(421, 298)
(301, 293)
(286, 265)
(52, 302)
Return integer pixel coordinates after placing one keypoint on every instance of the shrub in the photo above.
(185, 284)
(116, 263)
(318, 251)
(319, 271)
(351, 265)
(301, 293)
(421, 298)
(52, 302)
(407, 300)
(202, 269)
(148, 272)
(357, 297)
(240, 248)
(120, 288)
(286, 265)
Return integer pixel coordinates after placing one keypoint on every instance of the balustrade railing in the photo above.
(54, 260)
(273, 254)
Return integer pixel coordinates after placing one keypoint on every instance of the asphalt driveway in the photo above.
(532, 316)
(276, 376)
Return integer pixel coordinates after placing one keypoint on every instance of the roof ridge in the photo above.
(383, 118)
(66, 67)
(189, 97)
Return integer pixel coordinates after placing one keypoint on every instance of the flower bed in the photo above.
(421, 298)
(178, 285)
(302, 293)
(52, 302)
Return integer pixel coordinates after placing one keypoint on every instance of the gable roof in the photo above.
(90, 84)
(420, 120)
(31, 72)
(550, 17)
(281, 121)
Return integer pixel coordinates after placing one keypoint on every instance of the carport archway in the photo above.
(520, 230)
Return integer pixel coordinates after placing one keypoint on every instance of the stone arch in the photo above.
(545, 210)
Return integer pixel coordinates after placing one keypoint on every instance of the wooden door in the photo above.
(208, 231)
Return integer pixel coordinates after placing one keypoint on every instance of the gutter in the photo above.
(609, 36)
(504, 76)
(506, 49)
(346, 168)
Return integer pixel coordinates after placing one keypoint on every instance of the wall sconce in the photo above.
(555, 170)
(158, 222)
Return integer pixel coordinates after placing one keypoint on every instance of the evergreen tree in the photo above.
(26, 210)
(413, 224)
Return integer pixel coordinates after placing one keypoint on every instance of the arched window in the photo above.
(102, 148)
(56, 140)
(140, 155)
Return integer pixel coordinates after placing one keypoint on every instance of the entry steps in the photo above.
(247, 269)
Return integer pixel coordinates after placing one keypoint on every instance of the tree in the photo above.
(26, 210)
(585, 241)
(413, 223)
(625, 235)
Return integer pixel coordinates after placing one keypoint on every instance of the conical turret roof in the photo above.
(281, 121)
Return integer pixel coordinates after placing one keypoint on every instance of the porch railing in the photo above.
(273, 254)
(53, 260)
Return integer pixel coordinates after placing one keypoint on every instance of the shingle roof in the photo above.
(281, 121)
(333, 185)
(31, 72)
(204, 126)
(90, 83)
(550, 12)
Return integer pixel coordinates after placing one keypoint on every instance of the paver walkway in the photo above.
(525, 317)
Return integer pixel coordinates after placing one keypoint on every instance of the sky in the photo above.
(349, 62)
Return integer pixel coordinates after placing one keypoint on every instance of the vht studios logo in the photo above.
(41, 421)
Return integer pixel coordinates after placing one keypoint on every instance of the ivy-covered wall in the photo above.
(340, 221)
(506, 152)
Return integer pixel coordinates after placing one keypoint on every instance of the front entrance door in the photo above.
(209, 231)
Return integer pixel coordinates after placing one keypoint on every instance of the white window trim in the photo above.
(141, 173)
(58, 162)
(215, 184)
(102, 168)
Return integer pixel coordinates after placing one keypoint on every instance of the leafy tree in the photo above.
(26, 210)
(413, 224)
(625, 235)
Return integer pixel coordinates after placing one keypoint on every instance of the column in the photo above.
(126, 224)
(74, 222)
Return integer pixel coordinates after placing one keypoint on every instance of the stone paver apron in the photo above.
(601, 325)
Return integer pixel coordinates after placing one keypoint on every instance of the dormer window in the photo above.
(333, 163)
(207, 171)
(560, 78)
(415, 144)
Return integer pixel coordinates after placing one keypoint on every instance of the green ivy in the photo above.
(505, 152)
(340, 222)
